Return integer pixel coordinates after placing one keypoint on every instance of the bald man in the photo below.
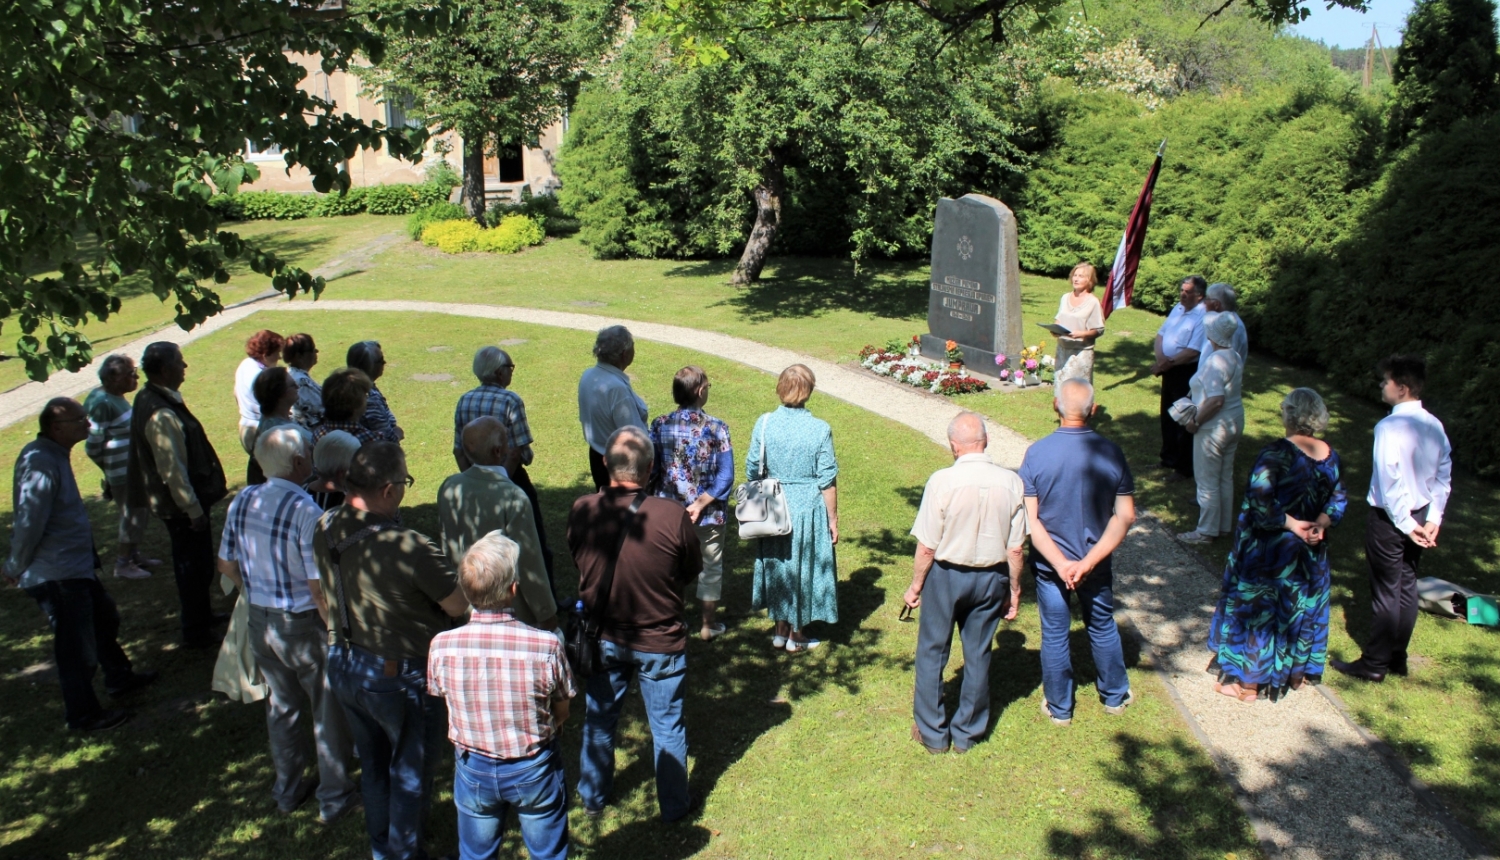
(1079, 504)
(967, 573)
(483, 499)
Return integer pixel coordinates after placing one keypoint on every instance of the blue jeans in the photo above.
(484, 790)
(1096, 602)
(398, 730)
(661, 677)
(85, 624)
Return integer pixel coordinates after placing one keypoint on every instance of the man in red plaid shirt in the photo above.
(508, 688)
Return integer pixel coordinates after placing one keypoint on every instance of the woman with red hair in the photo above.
(262, 350)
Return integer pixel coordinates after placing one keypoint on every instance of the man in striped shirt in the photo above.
(267, 549)
(508, 688)
(108, 445)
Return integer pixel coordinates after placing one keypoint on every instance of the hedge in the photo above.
(392, 199)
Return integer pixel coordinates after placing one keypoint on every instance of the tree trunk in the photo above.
(767, 221)
(474, 176)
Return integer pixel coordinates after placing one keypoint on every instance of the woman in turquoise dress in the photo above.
(1270, 631)
(795, 574)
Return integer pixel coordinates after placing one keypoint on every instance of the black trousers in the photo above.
(193, 566)
(85, 630)
(597, 470)
(1393, 558)
(1176, 441)
(523, 480)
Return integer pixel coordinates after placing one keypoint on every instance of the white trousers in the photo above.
(1214, 446)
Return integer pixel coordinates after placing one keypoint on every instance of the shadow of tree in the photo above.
(812, 286)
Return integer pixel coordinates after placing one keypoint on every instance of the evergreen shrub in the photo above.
(430, 214)
(463, 235)
(399, 199)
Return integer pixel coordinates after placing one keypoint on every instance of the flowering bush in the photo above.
(918, 374)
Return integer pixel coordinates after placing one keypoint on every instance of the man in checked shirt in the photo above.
(508, 688)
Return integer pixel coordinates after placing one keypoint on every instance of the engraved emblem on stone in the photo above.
(965, 247)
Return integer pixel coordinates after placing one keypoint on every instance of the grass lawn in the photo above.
(799, 756)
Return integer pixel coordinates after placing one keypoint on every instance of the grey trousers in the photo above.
(292, 652)
(973, 599)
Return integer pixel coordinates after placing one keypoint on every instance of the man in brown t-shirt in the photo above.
(389, 591)
(643, 633)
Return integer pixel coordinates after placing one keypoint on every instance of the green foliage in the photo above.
(868, 128)
(351, 202)
(441, 172)
(275, 206)
(1447, 67)
(544, 209)
(399, 199)
(128, 116)
(462, 235)
(431, 214)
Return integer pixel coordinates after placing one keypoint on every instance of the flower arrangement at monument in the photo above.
(889, 361)
(1035, 367)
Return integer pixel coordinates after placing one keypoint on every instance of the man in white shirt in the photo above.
(267, 550)
(606, 402)
(1409, 489)
(1178, 344)
(970, 529)
(1219, 299)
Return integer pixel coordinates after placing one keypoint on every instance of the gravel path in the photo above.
(1314, 788)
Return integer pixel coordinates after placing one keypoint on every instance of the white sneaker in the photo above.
(1194, 537)
(130, 570)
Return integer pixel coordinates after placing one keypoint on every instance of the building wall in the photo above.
(377, 168)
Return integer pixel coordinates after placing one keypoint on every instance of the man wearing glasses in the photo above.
(390, 591)
(494, 368)
(52, 557)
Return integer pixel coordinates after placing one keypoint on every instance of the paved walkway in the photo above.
(1314, 788)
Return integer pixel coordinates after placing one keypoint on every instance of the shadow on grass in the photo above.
(811, 286)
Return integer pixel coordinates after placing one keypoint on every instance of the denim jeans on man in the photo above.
(1096, 602)
(485, 789)
(193, 566)
(85, 624)
(661, 677)
(399, 732)
(974, 599)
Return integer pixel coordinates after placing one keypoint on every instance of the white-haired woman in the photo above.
(1270, 630)
(1216, 428)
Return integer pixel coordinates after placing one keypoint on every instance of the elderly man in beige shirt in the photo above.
(969, 530)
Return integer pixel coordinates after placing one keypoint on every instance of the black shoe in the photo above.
(1398, 667)
(136, 682)
(354, 803)
(105, 721)
(695, 803)
(593, 812)
(1357, 669)
(305, 788)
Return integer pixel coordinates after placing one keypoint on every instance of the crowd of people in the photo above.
(374, 640)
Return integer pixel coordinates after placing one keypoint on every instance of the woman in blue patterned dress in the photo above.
(1270, 630)
(795, 574)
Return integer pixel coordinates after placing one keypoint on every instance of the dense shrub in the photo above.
(544, 209)
(404, 199)
(351, 202)
(275, 206)
(431, 214)
(461, 235)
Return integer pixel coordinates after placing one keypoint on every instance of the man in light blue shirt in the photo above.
(1179, 342)
(606, 402)
(52, 557)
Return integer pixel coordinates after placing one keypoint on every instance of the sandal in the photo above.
(712, 631)
(778, 642)
(795, 647)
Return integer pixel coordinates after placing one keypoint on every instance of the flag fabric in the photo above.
(1122, 274)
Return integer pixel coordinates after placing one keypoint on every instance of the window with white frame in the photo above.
(399, 107)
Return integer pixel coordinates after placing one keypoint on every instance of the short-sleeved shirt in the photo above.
(1088, 316)
(244, 391)
(690, 452)
(660, 556)
(1182, 330)
(502, 403)
(1075, 475)
(269, 532)
(1219, 375)
(971, 513)
(393, 581)
(500, 678)
(108, 444)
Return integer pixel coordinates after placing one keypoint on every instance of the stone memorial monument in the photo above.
(975, 297)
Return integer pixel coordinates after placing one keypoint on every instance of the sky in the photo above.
(1345, 28)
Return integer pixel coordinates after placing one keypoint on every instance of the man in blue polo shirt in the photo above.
(1080, 503)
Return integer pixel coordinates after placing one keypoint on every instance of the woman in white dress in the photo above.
(1079, 312)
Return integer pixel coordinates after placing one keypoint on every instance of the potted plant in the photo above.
(914, 349)
(955, 355)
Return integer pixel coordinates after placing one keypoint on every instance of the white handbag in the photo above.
(760, 506)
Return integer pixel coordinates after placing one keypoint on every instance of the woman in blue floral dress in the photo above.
(1270, 630)
(795, 574)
